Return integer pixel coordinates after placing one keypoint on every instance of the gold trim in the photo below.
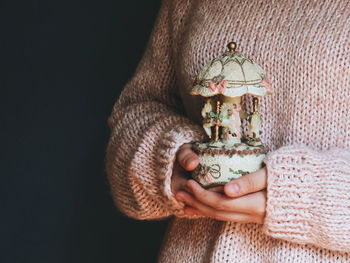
(236, 81)
(211, 95)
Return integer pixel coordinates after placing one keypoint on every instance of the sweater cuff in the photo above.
(168, 146)
(290, 193)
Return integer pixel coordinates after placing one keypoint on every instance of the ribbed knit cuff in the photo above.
(308, 196)
(290, 193)
(170, 143)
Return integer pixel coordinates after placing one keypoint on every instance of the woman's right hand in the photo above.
(186, 161)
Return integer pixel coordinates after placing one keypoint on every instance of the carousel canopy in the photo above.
(231, 75)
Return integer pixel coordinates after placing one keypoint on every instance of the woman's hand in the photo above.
(243, 200)
(186, 161)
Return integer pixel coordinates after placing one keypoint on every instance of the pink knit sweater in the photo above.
(304, 45)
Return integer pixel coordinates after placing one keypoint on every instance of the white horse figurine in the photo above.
(207, 120)
(254, 127)
(232, 120)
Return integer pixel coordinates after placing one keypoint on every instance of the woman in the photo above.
(297, 209)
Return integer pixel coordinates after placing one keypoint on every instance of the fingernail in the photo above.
(233, 189)
(189, 161)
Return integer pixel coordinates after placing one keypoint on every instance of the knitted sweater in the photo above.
(304, 46)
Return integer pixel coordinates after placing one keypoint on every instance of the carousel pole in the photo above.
(255, 105)
(216, 123)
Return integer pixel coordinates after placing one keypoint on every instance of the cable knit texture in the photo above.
(305, 48)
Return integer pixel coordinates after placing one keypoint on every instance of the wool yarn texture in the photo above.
(304, 46)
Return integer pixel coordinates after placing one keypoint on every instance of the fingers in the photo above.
(178, 179)
(197, 208)
(250, 204)
(187, 158)
(217, 189)
(246, 184)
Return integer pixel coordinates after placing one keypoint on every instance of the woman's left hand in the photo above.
(242, 200)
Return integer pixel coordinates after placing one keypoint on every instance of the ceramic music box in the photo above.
(234, 145)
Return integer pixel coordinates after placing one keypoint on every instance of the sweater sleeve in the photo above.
(147, 128)
(308, 197)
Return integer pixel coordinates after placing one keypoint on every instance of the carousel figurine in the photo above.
(225, 83)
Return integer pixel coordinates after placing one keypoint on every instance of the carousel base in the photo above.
(220, 163)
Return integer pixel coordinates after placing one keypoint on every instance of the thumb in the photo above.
(247, 184)
(187, 158)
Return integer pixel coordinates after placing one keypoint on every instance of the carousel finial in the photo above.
(232, 46)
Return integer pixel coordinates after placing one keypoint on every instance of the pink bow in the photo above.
(220, 87)
(267, 85)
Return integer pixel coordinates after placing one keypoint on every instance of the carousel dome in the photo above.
(231, 75)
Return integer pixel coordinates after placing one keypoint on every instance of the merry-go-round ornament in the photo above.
(230, 152)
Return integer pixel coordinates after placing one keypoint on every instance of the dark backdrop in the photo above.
(63, 64)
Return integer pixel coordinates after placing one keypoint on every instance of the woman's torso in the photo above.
(304, 47)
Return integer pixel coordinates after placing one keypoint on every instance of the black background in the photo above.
(63, 64)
